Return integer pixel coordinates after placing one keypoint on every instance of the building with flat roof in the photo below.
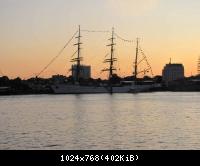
(172, 72)
(85, 71)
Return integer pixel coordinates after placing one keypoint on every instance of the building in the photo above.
(85, 71)
(172, 72)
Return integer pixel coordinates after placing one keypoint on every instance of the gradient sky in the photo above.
(33, 31)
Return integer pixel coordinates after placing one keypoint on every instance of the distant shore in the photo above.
(41, 86)
(19, 94)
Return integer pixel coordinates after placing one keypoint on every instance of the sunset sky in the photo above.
(32, 32)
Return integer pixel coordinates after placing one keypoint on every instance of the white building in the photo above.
(85, 71)
(172, 72)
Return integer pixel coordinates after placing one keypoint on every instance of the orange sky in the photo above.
(33, 32)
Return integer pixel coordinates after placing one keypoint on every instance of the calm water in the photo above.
(120, 121)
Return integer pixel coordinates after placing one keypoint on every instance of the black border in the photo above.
(53, 157)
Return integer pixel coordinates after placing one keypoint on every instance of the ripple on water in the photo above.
(143, 121)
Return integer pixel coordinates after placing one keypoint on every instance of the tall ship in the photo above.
(76, 86)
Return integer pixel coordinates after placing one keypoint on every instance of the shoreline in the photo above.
(24, 94)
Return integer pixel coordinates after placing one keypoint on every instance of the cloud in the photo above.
(133, 7)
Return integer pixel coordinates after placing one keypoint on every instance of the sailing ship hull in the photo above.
(144, 88)
(77, 89)
(140, 88)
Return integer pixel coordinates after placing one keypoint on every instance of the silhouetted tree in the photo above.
(158, 79)
(147, 78)
(4, 81)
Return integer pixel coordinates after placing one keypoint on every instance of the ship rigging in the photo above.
(138, 62)
(111, 61)
(110, 87)
(78, 59)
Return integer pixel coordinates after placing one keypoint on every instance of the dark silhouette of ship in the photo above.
(124, 87)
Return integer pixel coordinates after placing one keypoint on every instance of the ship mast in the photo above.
(111, 60)
(78, 59)
(136, 60)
